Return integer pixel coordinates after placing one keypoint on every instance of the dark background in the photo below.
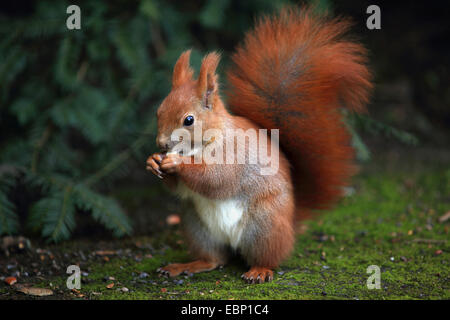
(77, 107)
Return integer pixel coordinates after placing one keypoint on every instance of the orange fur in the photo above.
(294, 72)
(182, 72)
(207, 78)
(175, 269)
(258, 275)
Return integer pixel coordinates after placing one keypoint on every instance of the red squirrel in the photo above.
(295, 71)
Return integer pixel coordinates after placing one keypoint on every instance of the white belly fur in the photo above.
(223, 218)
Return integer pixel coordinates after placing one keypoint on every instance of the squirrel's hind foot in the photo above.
(258, 275)
(175, 269)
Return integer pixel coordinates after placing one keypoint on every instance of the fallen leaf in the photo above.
(444, 217)
(11, 280)
(105, 252)
(173, 219)
(32, 291)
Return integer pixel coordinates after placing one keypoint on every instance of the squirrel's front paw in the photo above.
(153, 164)
(171, 163)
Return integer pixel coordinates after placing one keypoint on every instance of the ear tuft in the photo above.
(182, 71)
(207, 79)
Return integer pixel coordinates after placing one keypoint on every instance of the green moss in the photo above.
(390, 221)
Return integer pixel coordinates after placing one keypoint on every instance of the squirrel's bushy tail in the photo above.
(295, 72)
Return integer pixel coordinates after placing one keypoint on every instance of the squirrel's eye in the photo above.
(188, 121)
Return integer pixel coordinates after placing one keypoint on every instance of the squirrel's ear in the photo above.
(207, 83)
(182, 71)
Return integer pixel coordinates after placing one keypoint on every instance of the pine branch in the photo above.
(67, 58)
(13, 63)
(56, 215)
(39, 145)
(117, 160)
(373, 126)
(362, 152)
(9, 221)
(104, 210)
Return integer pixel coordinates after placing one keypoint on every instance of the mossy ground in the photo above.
(391, 220)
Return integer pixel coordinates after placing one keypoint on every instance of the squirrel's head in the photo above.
(191, 104)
